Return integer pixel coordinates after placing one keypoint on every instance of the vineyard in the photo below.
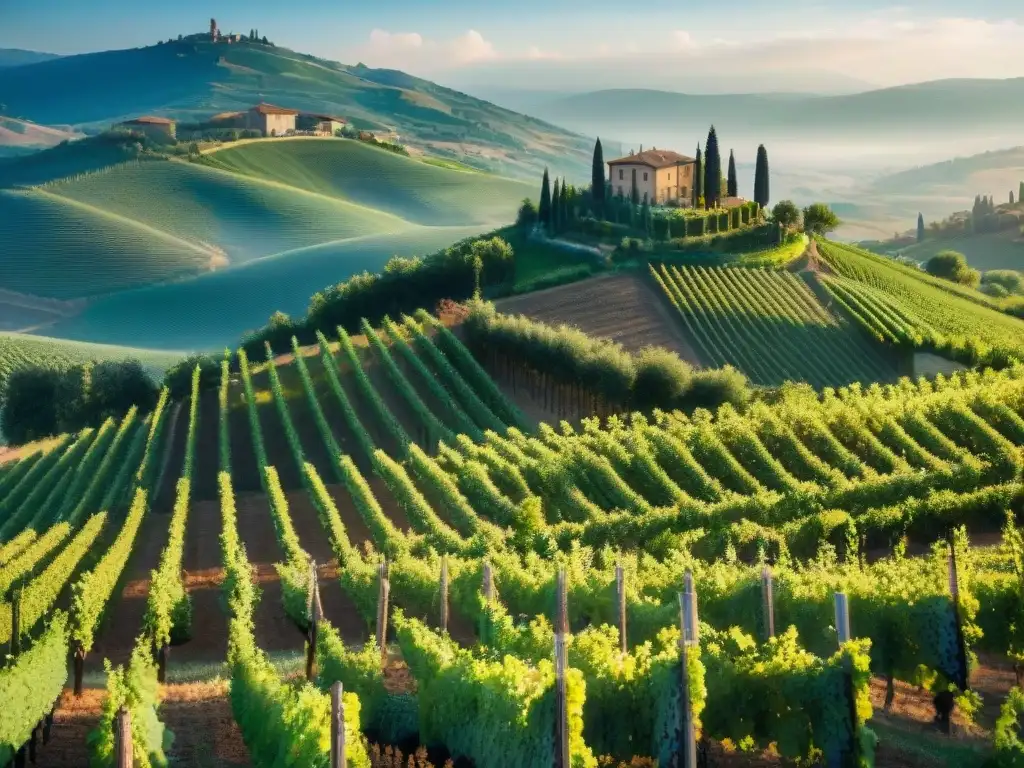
(769, 325)
(377, 511)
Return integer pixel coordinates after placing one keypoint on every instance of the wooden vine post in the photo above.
(561, 665)
(79, 667)
(162, 655)
(315, 612)
(444, 595)
(768, 601)
(689, 638)
(16, 621)
(123, 739)
(337, 727)
(620, 598)
(945, 700)
(384, 591)
(847, 756)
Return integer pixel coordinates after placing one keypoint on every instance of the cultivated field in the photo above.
(623, 308)
(138, 223)
(770, 325)
(419, 192)
(63, 250)
(348, 451)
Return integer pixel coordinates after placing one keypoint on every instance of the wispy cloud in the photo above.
(887, 47)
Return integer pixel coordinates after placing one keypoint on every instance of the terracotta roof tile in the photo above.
(270, 109)
(150, 120)
(655, 158)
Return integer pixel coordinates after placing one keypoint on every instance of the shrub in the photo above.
(178, 378)
(661, 377)
(952, 266)
(1009, 280)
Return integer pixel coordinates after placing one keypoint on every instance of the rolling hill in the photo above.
(158, 218)
(196, 78)
(16, 57)
(922, 108)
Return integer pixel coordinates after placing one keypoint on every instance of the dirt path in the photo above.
(338, 607)
(205, 733)
(207, 460)
(73, 719)
(245, 474)
(174, 460)
(274, 631)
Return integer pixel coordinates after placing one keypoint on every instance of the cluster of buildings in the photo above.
(270, 120)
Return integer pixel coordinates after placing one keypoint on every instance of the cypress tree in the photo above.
(761, 190)
(597, 180)
(698, 179)
(712, 170)
(556, 208)
(567, 195)
(544, 208)
(634, 193)
(645, 215)
(1011, 197)
(1020, 193)
(920, 228)
(731, 185)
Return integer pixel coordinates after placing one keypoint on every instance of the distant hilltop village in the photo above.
(216, 36)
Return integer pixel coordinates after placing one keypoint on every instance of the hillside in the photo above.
(23, 134)
(16, 57)
(335, 448)
(195, 79)
(923, 108)
(985, 251)
(987, 173)
(93, 231)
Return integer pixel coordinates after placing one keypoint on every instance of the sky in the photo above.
(558, 45)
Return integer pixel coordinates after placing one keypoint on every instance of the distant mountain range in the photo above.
(195, 78)
(16, 57)
(902, 112)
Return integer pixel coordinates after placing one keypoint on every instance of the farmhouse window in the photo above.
(620, 174)
(645, 175)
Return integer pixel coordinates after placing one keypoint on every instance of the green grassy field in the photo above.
(245, 217)
(57, 249)
(420, 192)
(135, 224)
(214, 310)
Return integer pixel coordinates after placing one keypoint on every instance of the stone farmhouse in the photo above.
(271, 120)
(322, 125)
(152, 126)
(660, 174)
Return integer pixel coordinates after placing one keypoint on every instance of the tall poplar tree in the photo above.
(544, 207)
(698, 178)
(712, 170)
(563, 211)
(731, 185)
(1020, 193)
(597, 180)
(920, 228)
(761, 187)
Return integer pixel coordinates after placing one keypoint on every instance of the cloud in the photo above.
(413, 52)
(885, 47)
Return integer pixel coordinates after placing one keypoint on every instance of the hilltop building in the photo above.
(660, 174)
(153, 126)
(273, 121)
(324, 125)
